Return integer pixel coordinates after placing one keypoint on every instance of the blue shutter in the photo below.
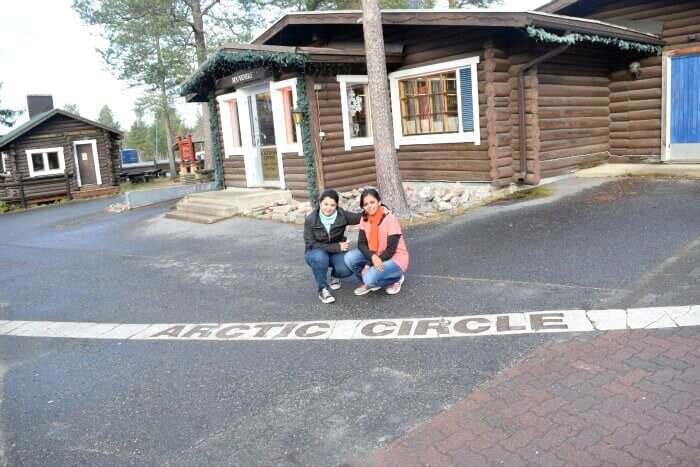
(685, 100)
(465, 89)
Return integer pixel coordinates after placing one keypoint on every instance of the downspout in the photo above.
(521, 103)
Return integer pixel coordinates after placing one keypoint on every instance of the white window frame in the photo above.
(460, 136)
(278, 116)
(95, 159)
(4, 158)
(61, 162)
(351, 141)
(230, 149)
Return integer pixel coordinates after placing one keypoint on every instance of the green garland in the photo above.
(307, 147)
(573, 38)
(225, 62)
(216, 149)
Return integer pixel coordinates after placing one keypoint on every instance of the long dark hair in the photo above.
(329, 193)
(365, 193)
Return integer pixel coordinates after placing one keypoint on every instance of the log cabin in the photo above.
(654, 114)
(56, 155)
(489, 97)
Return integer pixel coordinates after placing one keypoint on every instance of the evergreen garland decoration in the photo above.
(216, 149)
(226, 62)
(307, 147)
(573, 38)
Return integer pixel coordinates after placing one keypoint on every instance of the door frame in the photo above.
(667, 85)
(252, 152)
(95, 158)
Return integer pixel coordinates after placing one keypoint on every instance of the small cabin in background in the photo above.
(57, 154)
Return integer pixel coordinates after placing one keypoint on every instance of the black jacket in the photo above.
(316, 236)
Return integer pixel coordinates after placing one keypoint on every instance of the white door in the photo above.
(263, 153)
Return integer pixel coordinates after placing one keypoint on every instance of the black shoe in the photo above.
(325, 296)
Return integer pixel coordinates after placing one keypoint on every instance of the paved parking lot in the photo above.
(595, 244)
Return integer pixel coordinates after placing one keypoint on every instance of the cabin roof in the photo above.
(44, 116)
(478, 18)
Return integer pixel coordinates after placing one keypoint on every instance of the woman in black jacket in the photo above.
(324, 237)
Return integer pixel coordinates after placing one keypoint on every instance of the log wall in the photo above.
(295, 175)
(61, 131)
(635, 104)
(573, 114)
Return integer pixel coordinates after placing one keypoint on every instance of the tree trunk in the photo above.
(168, 131)
(201, 47)
(388, 175)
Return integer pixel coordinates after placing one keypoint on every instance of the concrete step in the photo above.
(241, 200)
(193, 217)
(206, 207)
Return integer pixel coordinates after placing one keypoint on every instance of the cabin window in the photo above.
(231, 123)
(354, 100)
(284, 101)
(5, 164)
(436, 104)
(47, 161)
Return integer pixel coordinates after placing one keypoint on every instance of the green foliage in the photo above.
(106, 117)
(573, 38)
(8, 116)
(4, 207)
(72, 108)
(303, 106)
(224, 63)
(215, 147)
(149, 138)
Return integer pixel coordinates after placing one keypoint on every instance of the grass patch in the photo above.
(531, 193)
(4, 207)
(149, 185)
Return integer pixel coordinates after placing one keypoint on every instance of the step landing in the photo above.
(215, 206)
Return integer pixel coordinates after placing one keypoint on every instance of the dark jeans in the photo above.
(320, 260)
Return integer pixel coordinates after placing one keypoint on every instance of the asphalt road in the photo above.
(594, 244)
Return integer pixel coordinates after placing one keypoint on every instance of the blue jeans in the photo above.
(320, 260)
(356, 261)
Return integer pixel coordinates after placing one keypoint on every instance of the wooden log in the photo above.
(549, 135)
(339, 175)
(567, 143)
(639, 95)
(566, 123)
(445, 165)
(576, 112)
(646, 73)
(440, 175)
(573, 151)
(649, 83)
(573, 102)
(553, 90)
(626, 106)
(573, 80)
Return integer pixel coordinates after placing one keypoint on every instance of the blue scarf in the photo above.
(327, 221)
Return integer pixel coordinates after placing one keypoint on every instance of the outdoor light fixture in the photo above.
(298, 116)
(635, 69)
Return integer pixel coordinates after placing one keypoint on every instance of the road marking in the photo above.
(536, 322)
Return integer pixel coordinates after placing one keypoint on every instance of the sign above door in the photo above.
(243, 77)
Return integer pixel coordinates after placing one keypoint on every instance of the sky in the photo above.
(46, 49)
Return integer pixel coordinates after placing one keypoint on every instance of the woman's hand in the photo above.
(344, 246)
(378, 263)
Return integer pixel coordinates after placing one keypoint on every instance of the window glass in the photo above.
(38, 162)
(358, 110)
(288, 106)
(429, 104)
(266, 125)
(235, 127)
(53, 160)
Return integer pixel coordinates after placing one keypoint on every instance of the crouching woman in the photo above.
(381, 259)
(326, 244)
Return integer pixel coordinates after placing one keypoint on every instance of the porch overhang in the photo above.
(273, 59)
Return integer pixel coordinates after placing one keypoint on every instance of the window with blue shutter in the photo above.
(465, 90)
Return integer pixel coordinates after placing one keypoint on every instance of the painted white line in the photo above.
(534, 322)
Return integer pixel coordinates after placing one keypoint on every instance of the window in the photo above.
(284, 100)
(45, 161)
(4, 164)
(429, 104)
(436, 104)
(354, 100)
(231, 123)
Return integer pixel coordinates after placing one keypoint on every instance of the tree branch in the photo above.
(206, 9)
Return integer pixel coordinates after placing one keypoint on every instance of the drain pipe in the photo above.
(521, 103)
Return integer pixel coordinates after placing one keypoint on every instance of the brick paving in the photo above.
(618, 398)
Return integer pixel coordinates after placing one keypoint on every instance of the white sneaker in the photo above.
(395, 288)
(364, 290)
(325, 296)
(334, 283)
